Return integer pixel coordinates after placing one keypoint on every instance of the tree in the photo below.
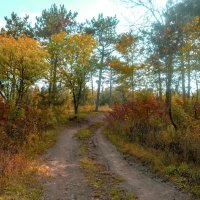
(104, 31)
(16, 26)
(54, 20)
(22, 64)
(126, 46)
(166, 41)
(56, 48)
(79, 48)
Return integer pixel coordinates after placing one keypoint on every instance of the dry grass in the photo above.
(18, 171)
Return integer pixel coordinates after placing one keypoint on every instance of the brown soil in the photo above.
(66, 180)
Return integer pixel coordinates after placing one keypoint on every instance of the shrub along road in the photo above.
(64, 179)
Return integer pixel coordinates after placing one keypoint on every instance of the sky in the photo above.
(86, 9)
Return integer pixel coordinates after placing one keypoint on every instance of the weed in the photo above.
(83, 134)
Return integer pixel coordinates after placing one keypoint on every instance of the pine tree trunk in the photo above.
(99, 84)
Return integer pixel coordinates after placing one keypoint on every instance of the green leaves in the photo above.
(54, 20)
(16, 26)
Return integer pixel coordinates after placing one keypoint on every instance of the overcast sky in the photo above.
(86, 9)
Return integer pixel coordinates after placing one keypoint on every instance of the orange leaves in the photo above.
(114, 63)
(126, 41)
(193, 28)
(23, 51)
(192, 33)
(79, 48)
(58, 37)
(22, 63)
(81, 42)
(145, 107)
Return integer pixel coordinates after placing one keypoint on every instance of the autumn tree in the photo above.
(126, 46)
(79, 48)
(190, 50)
(22, 64)
(56, 48)
(165, 27)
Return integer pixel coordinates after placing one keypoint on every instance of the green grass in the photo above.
(21, 190)
(185, 176)
(83, 134)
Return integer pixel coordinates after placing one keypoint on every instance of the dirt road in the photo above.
(142, 184)
(67, 181)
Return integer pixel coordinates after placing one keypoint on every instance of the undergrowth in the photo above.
(185, 176)
(142, 129)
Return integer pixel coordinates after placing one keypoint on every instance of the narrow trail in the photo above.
(67, 181)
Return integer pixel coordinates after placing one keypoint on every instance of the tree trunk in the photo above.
(50, 87)
(132, 88)
(99, 84)
(21, 89)
(92, 96)
(189, 77)
(84, 96)
(110, 92)
(76, 97)
(183, 78)
(168, 90)
(160, 85)
(13, 87)
(197, 87)
(54, 88)
(75, 103)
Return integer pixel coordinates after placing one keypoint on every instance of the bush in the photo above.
(145, 122)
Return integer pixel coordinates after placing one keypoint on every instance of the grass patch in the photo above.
(185, 176)
(84, 149)
(119, 193)
(24, 188)
(83, 134)
(103, 183)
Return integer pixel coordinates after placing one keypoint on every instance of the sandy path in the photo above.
(66, 180)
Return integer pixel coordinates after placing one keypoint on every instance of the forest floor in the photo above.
(65, 174)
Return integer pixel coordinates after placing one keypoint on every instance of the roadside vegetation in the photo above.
(33, 134)
(143, 130)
